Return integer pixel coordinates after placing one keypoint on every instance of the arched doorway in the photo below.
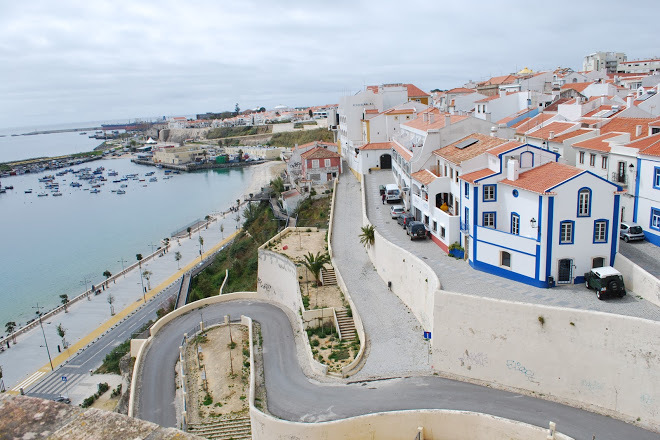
(385, 162)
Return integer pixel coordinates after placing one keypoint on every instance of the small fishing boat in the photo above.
(95, 191)
(57, 194)
(123, 185)
(121, 191)
(42, 195)
(153, 179)
(28, 191)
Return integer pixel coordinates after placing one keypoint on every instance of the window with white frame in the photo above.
(515, 224)
(442, 232)
(327, 163)
(592, 159)
(581, 156)
(315, 163)
(584, 202)
(655, 219)
(489, 220)
(566, 232)
(600, 231)
(489, 193)
(604, 162)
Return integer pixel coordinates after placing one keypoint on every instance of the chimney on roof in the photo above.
(502, 93)
(629, 100)
(488, 116)
(447, 120)
(431, 117)
(512, 170)
(493, 131)
(638, 130)
(551, 135)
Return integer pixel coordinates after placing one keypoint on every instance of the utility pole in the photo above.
(44, 333)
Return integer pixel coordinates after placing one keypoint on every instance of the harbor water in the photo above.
(58, 245)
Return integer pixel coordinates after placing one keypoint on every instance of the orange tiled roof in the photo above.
(319, 153)
(399, 111)
(507, 146)
(649, 145)
(377, 146)
(578, 87)
(571, 134)
(527, 124)
(460, 90)
(627, 125)
(458, 155)
(599, 143)
(601, 108)
(555, 127)
(655, 123)
(488, 98)
(404, 152)
(438, 120)
(499, 80)
(424, 177)
(544, 177)
(475, 175)
(371, 110)
(415, 92)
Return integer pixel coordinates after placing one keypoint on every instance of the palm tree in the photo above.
(189, 230)
(207, 218)
(201, 245)
(222, 230)
(10, 327)
(65, 300)
(107, 274)
(277, 185)
(367, 237)
(147, 276)
(314, 263)
(177, 257)
(61, 331)
(139, 259)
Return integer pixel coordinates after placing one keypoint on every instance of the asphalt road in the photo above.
(292, 396)
(642, 253)
(51, 386)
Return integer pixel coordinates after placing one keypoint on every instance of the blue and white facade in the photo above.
(542, 225)
(647, 192)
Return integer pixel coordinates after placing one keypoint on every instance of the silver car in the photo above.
(397, 210)
(630, 232)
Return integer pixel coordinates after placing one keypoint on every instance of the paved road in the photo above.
(292, 396)
(642, 253)
(458, 276)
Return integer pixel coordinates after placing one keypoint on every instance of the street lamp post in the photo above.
(144, 296)
(122, 265)
(85, 281)
(44, 333)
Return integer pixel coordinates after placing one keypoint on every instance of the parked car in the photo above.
(397, 210)
(416, 230)
(381, 189)
(630, 232)
(404, 219)
(606, 281)
(63, 399)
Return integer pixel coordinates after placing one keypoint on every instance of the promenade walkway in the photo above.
(395, 341)
(27, 361)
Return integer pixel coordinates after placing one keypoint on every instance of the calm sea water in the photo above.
(50, 244)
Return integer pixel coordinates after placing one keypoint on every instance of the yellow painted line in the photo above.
(71, 350)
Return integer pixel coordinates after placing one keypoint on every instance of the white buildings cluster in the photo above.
(529, 173)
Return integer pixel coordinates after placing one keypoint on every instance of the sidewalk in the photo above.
(395, 345)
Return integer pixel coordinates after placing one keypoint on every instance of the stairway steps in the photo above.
(236, 429)
(328, 277)
(346, 325)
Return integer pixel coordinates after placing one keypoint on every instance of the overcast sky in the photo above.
(74, 61)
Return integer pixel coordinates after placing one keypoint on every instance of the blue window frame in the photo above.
(601, 226)
(584, 202)
(515, 224)
(656, 178)
(489, 220)
(655, 219)
(467, 190)
(490, 193)
(566, 232)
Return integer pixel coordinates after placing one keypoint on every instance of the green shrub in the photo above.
(207, 400)
(103, 387)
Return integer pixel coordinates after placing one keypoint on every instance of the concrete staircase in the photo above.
(328, 277)
(230, 429)
(346, 325)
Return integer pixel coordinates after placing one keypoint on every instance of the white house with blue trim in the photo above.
(529, 218)
(647, 187)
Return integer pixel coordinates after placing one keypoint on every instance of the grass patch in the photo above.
(290, 138)
(110, 364)
(227, 132)
(314, 213)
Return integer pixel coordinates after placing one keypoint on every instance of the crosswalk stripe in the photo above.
(30, 380)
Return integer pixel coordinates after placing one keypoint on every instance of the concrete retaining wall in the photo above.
(638, 280)
(435, 424)
(598, 361)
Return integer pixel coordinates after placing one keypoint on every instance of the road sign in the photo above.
(63, 378)
(427, 335)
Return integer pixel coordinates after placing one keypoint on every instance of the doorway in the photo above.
(565, 271)
(385, 162)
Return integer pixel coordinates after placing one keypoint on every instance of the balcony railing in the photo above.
(465, 227)
(621, 179)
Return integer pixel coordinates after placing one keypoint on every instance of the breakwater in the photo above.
(196, 167)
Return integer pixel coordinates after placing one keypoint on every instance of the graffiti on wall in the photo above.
(467, 359)
(520, 368)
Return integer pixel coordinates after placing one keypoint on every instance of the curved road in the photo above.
(293, 396)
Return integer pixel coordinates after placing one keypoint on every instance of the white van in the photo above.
(392, 193)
